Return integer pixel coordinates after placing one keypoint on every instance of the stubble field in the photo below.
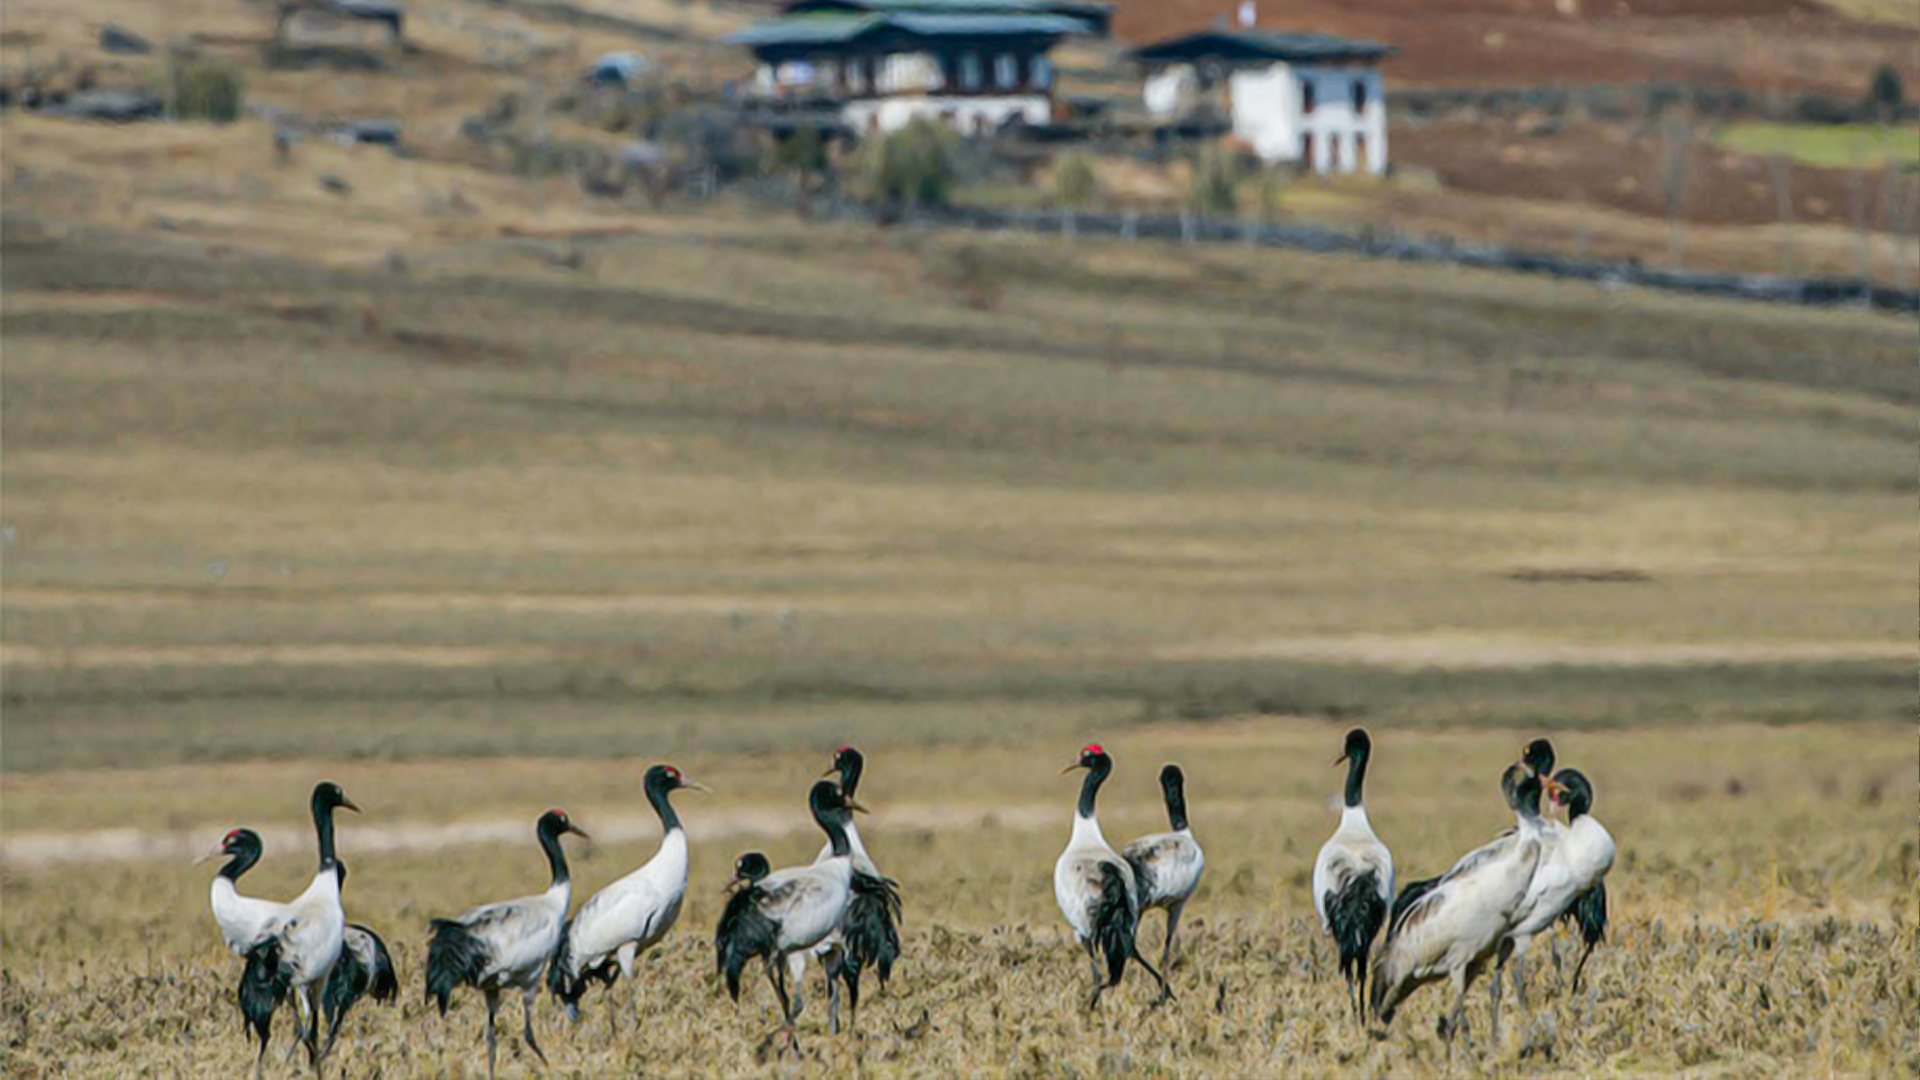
(486, 532)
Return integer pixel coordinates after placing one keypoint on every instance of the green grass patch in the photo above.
(1828, 146)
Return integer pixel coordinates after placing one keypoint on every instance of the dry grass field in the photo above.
(486, 528)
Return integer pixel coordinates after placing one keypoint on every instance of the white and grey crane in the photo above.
(304, 938)
(1353, 876)
(792, 909)
(869, 934)
(365, 969)
(1167, 866)
(631, 915)
(1570, 882)
(246, 925)
(506, 946)
(1095, 887)
(1453, 930)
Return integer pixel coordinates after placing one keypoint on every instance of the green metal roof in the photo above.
(1262, 45)
(928, 20)
(821, 28)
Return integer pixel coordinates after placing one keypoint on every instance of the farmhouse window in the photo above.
(1042, 74)
(1006, 71)
(969, 71)
(1306, 95)
(1359, 95)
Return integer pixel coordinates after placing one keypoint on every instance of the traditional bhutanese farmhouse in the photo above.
(1308, 98)
(974, 64)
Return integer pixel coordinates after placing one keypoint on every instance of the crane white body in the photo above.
(1077, 875)
(1351, 851)
(244, 921)
(634, 913)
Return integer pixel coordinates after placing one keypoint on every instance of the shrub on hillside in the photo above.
(1074, 183)
(911, 167)
(1216, 179)
(208, 90)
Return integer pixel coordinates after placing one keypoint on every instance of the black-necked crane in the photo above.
(1167, 866)
(1353, 876)
(506, 946)
(247, 925)
(1454, 930)
(310, 932)
(1095, 888)
(869, 935)
(631, 915)
(1587, 849)
(792, 909)
(365, 969)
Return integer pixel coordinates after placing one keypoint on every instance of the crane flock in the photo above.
(841, 912)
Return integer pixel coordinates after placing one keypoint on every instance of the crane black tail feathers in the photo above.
(454, 958)
(1413, 891)
(1355, 913)
(386, 980)
(870, 935)
(570, 987)
(1114, 922)
(264, 985)
(744, 933)
(1589, 913)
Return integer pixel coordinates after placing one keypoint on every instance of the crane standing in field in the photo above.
(868, 935)
(365, 969)
(505, 946)
(1570, 882)
(1095, 887)
(1167, 866)
(632, 914)
(792, 909)
(1453, 930)
(1353, 877)
(246, 924)
(306, 936)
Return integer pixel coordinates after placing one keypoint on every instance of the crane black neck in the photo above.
(1176, 789)
(657, 791)
(1357, 775)
(323, 829)
(851, 764)
(556, 855)
(1097, 772)
(831, 814)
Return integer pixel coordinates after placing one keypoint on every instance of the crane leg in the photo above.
(1173, 923)
(299, 1026)
(777, 978)
(1520, 979)
(830, 965)
(493, 1037)
(1166, 992)
(526, 1030)
(1581, 966)
(853, 995)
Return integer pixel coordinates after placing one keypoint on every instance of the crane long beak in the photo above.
(1069, 768)
(856, 807)
(347, 804)
(213, 852)
(578, 831)
(1342, 759)
(695, 785)
(831, 771)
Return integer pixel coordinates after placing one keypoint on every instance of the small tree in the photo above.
(1216, 178)
(1885, 94)
(208, 90)
(913, 166)
(1074, 183)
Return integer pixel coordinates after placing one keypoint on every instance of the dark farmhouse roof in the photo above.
(1244, 46)
(1097, 16)
(835, 23)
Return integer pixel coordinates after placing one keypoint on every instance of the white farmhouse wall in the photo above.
(1170, 90)
(966, 114)
(1269, 113)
